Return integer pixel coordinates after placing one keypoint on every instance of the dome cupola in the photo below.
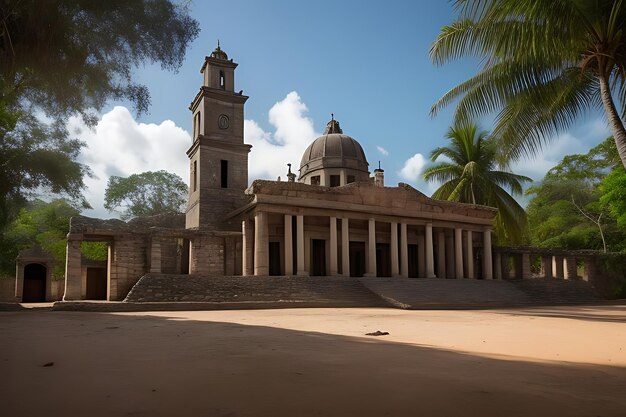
(333, 159)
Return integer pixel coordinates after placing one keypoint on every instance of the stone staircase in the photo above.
(434, 293)
(291, 291)
(558, 291)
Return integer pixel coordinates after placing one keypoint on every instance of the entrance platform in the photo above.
(167, 292)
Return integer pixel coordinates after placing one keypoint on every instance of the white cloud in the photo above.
(536, 167)
(293, 132)
(412, 168)
(382, 150)
(118, 145)
(598, 128)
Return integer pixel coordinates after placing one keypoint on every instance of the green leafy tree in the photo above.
(473, 176)
(613, 195)
(566, 211)
(60, 58)
(545, 63)
(43, 224)
(146, 194)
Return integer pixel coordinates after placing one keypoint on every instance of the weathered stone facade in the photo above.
(335, 221)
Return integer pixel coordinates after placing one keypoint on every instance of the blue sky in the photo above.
(367, 62)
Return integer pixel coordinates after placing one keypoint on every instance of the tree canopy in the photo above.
(545, 63)
(474, 176)
(43, 224)
(570, 206)
(146, 194)
(60, 58)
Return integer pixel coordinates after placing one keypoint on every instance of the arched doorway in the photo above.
(34, 283)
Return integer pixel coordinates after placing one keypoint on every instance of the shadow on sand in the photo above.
(132, 365)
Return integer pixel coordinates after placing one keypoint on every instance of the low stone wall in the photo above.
(7, 289)
(606, 272)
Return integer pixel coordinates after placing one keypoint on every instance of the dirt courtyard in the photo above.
(566, 361)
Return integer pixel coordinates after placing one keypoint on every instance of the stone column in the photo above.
(247, 258)
(430, 257)
(498, 269)
(404, 251)
(300, 245)
(526, 272)
(261, 244)
(441, 254)
(571, 270)
(546, 266)
(557, 267)
(371, 248)
(395, 265)
(469, 248)
(288, 245)
(73, 270)
(155, 256)
(458, 253)
(333, 246)
(487, 259)
(345, 247)
(421, 257)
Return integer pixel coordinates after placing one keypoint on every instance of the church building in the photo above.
(335, 219)
(329, 218)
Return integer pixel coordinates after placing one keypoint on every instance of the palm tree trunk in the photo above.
(619, 133)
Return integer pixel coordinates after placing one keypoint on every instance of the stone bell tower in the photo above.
(218, 158)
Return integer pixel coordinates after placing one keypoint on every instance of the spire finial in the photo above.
(218, 43)
(332, 116)
(378, 164)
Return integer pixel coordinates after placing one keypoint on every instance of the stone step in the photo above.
(424, 293)
(192, 288)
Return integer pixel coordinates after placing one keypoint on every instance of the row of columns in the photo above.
(553, 266)
(259, 256)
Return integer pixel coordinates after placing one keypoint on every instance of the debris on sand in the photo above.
(377, 333)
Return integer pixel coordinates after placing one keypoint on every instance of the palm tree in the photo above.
(545, 63)
(472, 176)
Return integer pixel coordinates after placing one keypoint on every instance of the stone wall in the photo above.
(207, 255)
(129, 263)
(7, 289)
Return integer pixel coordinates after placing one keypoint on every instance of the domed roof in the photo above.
(338, 150)
(218, 53)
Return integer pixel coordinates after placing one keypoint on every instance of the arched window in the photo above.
(222, 80)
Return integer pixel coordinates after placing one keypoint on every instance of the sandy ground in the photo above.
(568, 361)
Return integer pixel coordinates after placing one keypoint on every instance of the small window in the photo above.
(222, 80)
(351, 179)
(196, 125)
(224, 174)
(335, 181)
(315, 180)
(195, 175)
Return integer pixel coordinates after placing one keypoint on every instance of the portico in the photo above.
(363, 230)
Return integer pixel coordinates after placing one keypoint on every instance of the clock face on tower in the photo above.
(223, 121)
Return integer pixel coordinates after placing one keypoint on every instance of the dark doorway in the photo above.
(478, 264)
(96, 284)
(34, 290)
(413, 266)
(383, 260)
(274, 269)
(357, 259)
(184, 257)
(318, 258)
